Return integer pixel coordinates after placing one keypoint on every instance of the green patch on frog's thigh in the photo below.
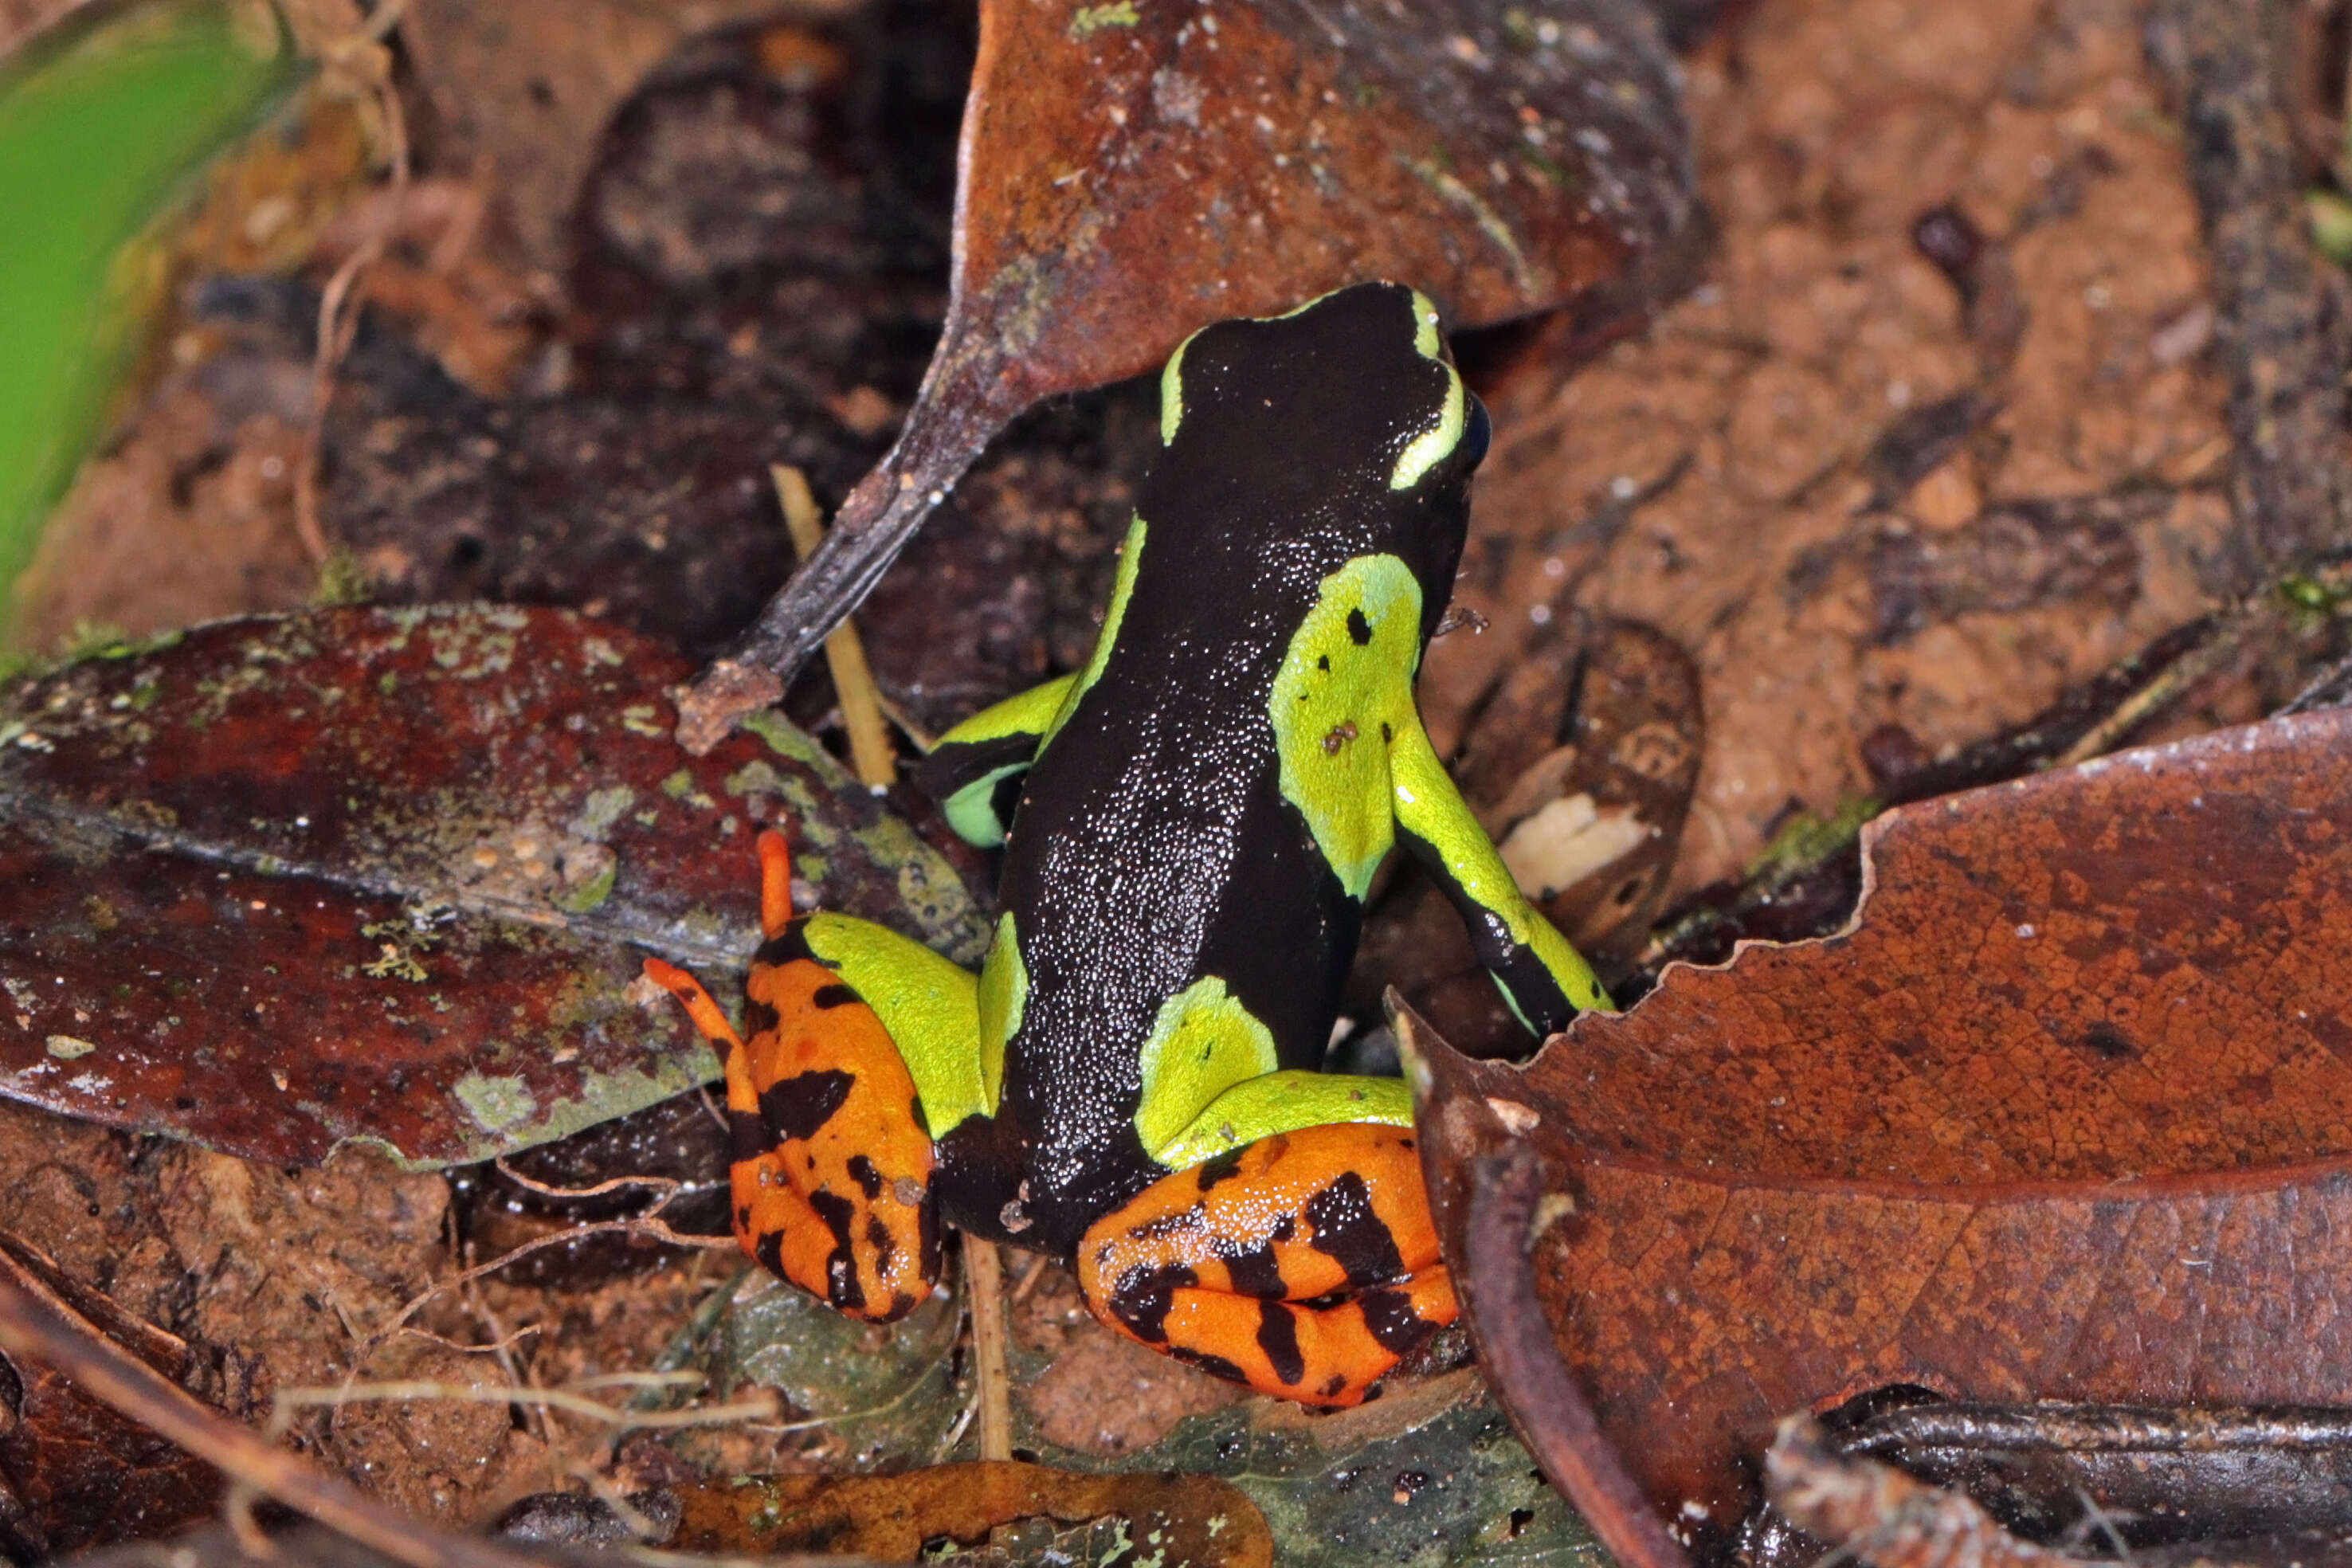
(929, 1007)
(1345, 686)
(1285, 1102)
(1445, 837)
(1003, 1000)
(1028, 713)
(1204, 1041)
(1122, 589)
(971, 810)
(967, 766)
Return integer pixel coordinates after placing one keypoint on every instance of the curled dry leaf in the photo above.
(1131, 172)
(1168, 1516)
(389, 874)
(2066, 1113)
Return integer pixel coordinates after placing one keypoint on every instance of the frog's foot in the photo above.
(1304, 1265)
(832, 1168)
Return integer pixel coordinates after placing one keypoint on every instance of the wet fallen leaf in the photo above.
(1132, 173)
(1176, 1519)
(2066, 1113)
(389, 874)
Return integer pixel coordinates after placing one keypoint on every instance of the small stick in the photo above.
(861, 704)
(41, 1333)
(983, 1278)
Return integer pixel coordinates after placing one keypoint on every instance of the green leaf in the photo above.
(101, 122)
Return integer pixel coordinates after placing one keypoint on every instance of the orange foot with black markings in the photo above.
(1304, 1265)
(831, 1171)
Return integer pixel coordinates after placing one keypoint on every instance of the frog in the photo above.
(1190, 825)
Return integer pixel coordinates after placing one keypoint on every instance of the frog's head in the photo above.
(1349, 406)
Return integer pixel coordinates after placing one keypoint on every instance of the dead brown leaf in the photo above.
(1130, 174)
(2067, 1113)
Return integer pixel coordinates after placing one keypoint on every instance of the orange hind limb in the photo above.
(831, 1166)
(1304, 1265)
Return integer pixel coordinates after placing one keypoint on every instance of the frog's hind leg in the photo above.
(831, 1160)
(1304, 1263)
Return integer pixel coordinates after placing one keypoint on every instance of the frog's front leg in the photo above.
(1303, 1264)
(862, 1043)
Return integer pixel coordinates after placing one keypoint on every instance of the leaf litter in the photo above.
(1538, 504)
(2063, 1115)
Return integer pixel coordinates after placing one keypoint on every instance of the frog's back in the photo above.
(1154, 847)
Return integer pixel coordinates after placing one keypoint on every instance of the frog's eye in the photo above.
(1478, 435)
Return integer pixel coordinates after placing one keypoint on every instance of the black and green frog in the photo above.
(1191, 826)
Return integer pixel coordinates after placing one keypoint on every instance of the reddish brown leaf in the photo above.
(1172, 1516)
(2067, 1113)
(1132, 171)
(389, 874)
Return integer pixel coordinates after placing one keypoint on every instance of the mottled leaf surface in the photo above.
(2066, 1113)
(389, 874)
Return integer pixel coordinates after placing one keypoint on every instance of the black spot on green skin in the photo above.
(868, 1179)
(1347, 1232)
(796, 1107)
(1277, 1336)
(841, 1286)
(1392, 1322)
(1359, 630)
(1255, 1273)
(1145, 1295)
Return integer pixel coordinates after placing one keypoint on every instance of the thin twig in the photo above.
(2164, 688)
(758, 1407)
(642, 1225)
(667, 1186)
(983, 1279)
(42, 1332)
(844, 653)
